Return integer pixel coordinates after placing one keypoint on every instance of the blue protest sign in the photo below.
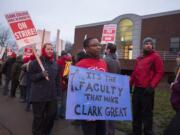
(95, 95)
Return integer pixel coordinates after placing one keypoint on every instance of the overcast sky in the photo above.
(66, 14)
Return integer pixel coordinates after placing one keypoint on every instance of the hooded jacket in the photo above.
(148, 71)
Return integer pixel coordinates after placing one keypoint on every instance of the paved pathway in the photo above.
(15, 121)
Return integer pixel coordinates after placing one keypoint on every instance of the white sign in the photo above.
(22, 28)
(109, 34)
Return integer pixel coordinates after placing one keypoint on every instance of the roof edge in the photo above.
(143, 17)
(161, 14)
(92, 24)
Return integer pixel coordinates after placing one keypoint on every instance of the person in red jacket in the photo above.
(94, 62)
(147, 73)
(62, 62)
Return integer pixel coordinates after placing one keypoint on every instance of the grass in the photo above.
(163, 112)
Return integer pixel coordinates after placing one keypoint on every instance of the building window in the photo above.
(174, 44)
(124, 38)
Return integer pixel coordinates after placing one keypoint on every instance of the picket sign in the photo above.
(57, 44)
(95, 95)
(109, 34)
(24, 32)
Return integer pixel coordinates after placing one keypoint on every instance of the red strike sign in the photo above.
(22, 28)
(109, 34)
(21, 25)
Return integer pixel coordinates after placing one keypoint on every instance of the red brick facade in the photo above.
(80, 33)
(162, 29)
(160, 26)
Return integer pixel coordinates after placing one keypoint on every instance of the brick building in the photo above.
(163, 27)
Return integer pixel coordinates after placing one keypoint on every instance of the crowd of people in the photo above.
(42, 90)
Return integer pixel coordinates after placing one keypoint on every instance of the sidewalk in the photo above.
(15, 121)
(4, 130)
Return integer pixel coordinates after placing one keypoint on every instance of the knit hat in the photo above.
(148, 39)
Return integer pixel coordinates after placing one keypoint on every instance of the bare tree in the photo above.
(68, 46)
(5, 35)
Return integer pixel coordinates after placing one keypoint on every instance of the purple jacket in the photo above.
(175, 96)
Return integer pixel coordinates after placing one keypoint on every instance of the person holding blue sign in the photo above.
(147, 73)
(93, 61)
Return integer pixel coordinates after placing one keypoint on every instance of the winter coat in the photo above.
(7, 67)
(16, 70)
(113, 64)
(148, 71)
(42, 89)
(23, 75)
(94, 64)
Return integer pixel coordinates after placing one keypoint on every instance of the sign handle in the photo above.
(57, 44)
(39, 61)
(2, 51)
(43, 36)
(175, 80)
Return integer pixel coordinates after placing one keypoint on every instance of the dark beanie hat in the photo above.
(148, 39)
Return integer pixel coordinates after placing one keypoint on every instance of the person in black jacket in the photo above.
(113, 66)
(15, 72)
(44, 92)
(111, 59)
(7, 72)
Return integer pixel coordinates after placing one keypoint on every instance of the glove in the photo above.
(149, 90)
(44, 73)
